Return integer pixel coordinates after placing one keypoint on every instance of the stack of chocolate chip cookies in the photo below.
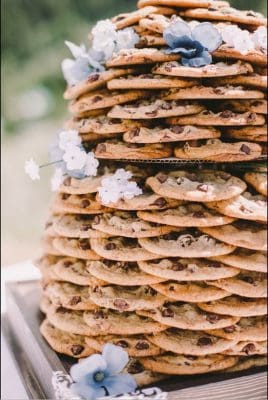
(176, 275)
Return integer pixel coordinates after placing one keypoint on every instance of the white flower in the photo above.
(74, 157)
(237, 38)
(126, 39)
(259, 38)
(117, 186)
(69, 137)
(228, 33)
(104, 38)
(57, 179)
(107, 40)
(84, 64)
(91, 165)
(32, 169)
(243, 42)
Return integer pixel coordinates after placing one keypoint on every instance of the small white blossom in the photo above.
(75, 158)
(239, 39)
(69, 137)
(243, 42)
(81, 67)
(126, 39)
(91, 165)
(57, 179)
(107, 40)
(259, 38)
(32, 169)
(117, 186)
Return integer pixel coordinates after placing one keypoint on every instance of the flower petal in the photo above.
(116, 358)
(174, 31)
(88, 366)
(203, 59)
(77, 51)
(86, 391)
(207, 35)
(120, 384)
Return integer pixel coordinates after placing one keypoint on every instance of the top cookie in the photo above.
(183, 3)
(226, 14)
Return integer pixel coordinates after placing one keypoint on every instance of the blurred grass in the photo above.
(32, 44)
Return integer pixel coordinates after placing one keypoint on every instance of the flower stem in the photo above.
(50, 163)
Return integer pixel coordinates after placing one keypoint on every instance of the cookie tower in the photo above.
(163, 251)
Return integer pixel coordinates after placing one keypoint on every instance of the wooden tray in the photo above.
(36, 360)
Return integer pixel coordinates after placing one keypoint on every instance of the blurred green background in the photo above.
(32, 44)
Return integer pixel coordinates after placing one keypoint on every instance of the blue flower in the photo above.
(195, 45)
(99, 375)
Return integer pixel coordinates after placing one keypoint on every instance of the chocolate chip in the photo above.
(249, 348)
(198, 214)
(204, 341)
(101, 148)
(65, 196)
(142, 43)
(162, 178)
(85, 203)
(67, 181)
(84, 244)
(93, 77)
(256, 103)
(212, 9)
(76, 349)
(251, 117)
(122, 343)
(169, 67)
(192, 358)
(226, 114)
(167, 313)
(85, 228)
(178, 267)
(202, 188)
(191, 177)
(212, 318)
(230, 329)
(67, 264)
(245, 149)
(177, 129)
(121, 304)
(218, 91)
(171, 288)
(75, 300)
(110, 246)
(135, 368)
(95, 99)
(134, 132)
(215, 264)
(247, 279)
(61, 310)
(161, 202)
(98, 314)
(170, 236)
(142, 345)
(150, 291)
